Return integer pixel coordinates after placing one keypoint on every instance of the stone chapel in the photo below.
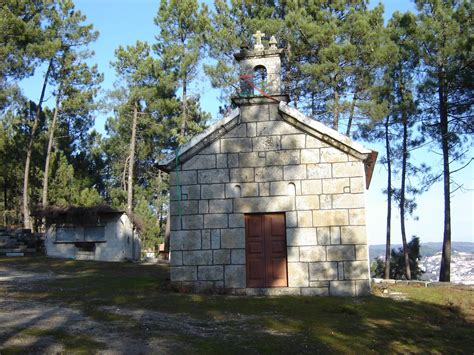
(267, 200)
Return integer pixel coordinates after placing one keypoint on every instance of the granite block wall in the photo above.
(262, 165)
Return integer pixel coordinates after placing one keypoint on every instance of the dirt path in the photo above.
(57, 328)
(32, 326)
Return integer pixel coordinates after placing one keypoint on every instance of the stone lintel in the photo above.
(245, 53)
(260, 100)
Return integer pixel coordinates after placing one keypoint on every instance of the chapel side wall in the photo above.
(325, 220)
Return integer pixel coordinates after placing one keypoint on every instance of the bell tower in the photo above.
(260, 69)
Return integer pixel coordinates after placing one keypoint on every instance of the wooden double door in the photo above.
(265, 241)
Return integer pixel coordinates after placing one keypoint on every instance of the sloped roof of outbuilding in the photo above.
(292, 116)
(80, 215)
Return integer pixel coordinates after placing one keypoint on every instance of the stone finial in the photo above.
(258, 41)
(273, 43)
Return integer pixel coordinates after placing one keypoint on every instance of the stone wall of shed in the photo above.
(119, 241)
(277, 168)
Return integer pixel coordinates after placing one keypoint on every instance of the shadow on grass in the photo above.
(43, 331)
(231, 324)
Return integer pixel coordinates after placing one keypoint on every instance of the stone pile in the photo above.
(20, 242)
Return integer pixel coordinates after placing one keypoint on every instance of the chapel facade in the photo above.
(267, 200)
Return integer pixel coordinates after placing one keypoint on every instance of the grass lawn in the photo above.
(431, 320)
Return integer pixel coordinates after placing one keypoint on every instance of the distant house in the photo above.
(267, 200)
(96, 233)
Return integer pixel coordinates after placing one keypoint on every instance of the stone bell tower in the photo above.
(260, 69)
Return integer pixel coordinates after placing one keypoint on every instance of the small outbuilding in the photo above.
(267, 200)
(95, 233)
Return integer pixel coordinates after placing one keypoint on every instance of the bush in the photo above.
(397, 262)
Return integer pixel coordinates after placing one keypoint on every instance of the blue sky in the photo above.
(123, 22)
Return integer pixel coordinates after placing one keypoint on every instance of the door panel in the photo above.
(255, 245)
(277, 246)
(254, 225)
(266, 250)
(276, 250)
(278, 273)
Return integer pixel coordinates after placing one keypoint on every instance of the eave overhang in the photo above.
(331, 137)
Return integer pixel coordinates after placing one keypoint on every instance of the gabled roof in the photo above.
(291, 116)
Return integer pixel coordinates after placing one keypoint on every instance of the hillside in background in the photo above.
(427, 249)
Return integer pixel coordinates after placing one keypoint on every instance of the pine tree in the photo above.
(135, 66)
(395, 94)
(366, 33)
(13, 140)
(405, 60)
(76, 84)
(324, 54)
(45, 50)
(29, 152)
(182, 28)
(53, 29)
(146, 104)
(379, 128)
(445, 37)
(24, 43)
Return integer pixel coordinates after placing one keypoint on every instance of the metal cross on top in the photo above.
(258, 41)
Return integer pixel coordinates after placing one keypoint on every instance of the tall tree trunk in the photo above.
(48, 153)
(143, 240)
(160, 216)
(402, 194)
(335, 118)
(445, 268)
(351, 114)
(161, 209)
(132, 159)
(124, 173)
(403, 181)
(185, 109)
(29, 152)
(168, 230)
(5, 196)
(389, 200)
